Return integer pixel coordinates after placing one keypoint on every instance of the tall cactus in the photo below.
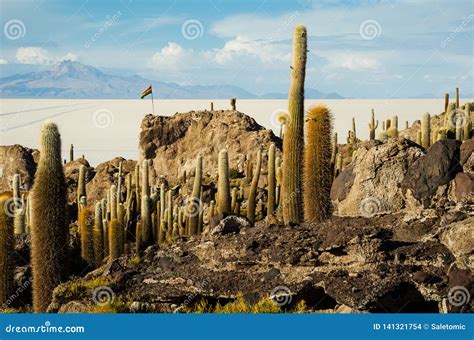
(425, 130)
(450, 121)
(373, 126)
(459, 128)
(194, 204)
(18, 206)
(233, 102)
(253, 190)
(468, 123)
(317, 174)
(49, 228)
(7, 248)
(81, 183)
(98, 234)
(113, 226)
(446, 102)
(293, 142)
(271, 180)
(223, 184)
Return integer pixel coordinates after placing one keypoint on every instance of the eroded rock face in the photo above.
(464, 185)
(437, 168)
(17, 159)
(459, 237)
(173, 143)
(371, 183)
(106, 174)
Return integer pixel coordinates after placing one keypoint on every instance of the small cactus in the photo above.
(468, 123)
(450, 121)
(425, 130)
(71, 152)
(354, 134)
(233, 102)
(457, 97)
(49, 227)
(446, 102)
(253, 190)
(223, 185)
(382, 136)
(459, 128)
(98, 234)
(81, 183)
(392, 132)
(271, 181)
(194, 205)
(7, 249)
(373, 126)
(85, 227)
(317, 162)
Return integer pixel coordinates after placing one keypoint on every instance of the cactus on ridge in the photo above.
(468, 125)
(194, 203)
(98, 234)
(293, 143)
(271, 180)
(425, 130)
(317, 165)
(251, 205)
(223, 183)
(373, 126)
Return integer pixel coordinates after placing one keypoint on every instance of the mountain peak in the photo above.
(74, 69)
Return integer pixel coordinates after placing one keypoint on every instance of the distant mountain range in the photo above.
(70, 79)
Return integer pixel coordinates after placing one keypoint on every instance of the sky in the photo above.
(359, 49)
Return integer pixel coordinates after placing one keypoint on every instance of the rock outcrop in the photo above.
(379, 264)
(173, 143)
(16, 159)
(371, 183)
(437, 168)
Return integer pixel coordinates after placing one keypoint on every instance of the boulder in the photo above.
(466, 151)
(229, 225)
(437, 168)
(458, 237)
(71, 172)
(173, 143)
(371, 183)
(16, 159)
(106, 174)
(464, 185)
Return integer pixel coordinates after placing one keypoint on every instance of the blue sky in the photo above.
(360, 49)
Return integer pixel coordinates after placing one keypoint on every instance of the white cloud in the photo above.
(40, 56)
(356, 62)
(3, 62)
(33, 55)
(172, 57)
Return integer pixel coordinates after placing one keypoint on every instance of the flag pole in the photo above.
(152, 102)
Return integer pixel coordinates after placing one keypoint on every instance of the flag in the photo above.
(146, 92)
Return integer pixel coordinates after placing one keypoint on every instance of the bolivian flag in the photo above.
(146, 92)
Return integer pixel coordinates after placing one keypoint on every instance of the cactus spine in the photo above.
(293, 142)
(223, 185)
(271, 180)
(253, 190)
(194, 204)
(7, 248)
(317, 175)
(425, 130)
(49, 229)
(373, 126)
(98, 234)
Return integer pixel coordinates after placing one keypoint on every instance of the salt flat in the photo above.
(103, 129)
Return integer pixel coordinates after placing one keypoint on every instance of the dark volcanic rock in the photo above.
(436, 168)
(464, 183)
(342, 184)
(16, 159)
(228, 225)
(467, 149)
